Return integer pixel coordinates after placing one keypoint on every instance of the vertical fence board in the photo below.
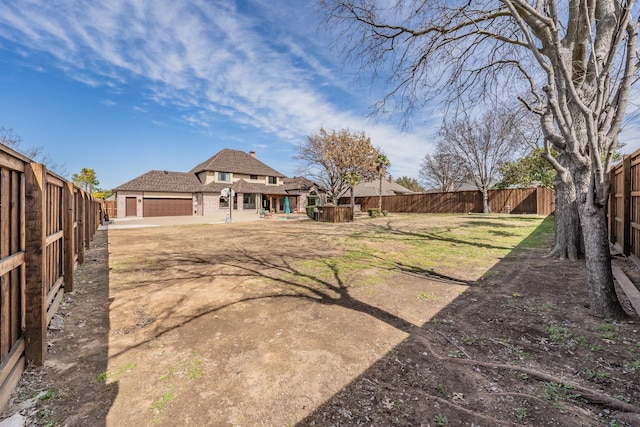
(23, 246)
(15, 247)
(5, 282)
(634, 205)
(626, 203)
(87, 220)
(69, 234)
(81, 221)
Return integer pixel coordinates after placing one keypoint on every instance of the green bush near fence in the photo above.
(310, 210)
(374, 212)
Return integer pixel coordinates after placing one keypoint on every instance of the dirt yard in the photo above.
(404, 320)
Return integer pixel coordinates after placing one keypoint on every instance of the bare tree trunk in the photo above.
(380, 194)
(593, 220)
(568, 236)
(353, 200)
(485, 200)
(604, 301)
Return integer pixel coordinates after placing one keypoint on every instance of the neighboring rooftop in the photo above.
(372, 188)
(156, 180)
(235, 161)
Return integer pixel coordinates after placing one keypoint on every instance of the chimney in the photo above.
(390, 179)
(252, 154)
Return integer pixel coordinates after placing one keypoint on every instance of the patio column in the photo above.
(240, 201)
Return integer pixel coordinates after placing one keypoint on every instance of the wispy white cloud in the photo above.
(268, 70)
(109, 102)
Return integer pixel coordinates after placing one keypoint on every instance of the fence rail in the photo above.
(538, 200)
(45, 225)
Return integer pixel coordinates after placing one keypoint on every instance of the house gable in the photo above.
(234, 162)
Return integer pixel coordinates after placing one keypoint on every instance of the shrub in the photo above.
(374, 212)
(385, 212)
(310, 210)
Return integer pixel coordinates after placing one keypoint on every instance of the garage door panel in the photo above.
(167, 207)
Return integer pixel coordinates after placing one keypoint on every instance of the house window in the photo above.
(249, 201)
(273, 180)
(313, 199)
(224, 176)
(253, 177)
(224, 202)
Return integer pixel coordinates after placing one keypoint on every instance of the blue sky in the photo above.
(125, 87)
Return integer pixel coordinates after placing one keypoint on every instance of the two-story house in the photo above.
(200, 191)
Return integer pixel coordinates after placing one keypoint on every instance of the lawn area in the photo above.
(406, 319)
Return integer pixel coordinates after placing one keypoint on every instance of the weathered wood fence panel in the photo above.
(40, 243)
(334, 214)
(537, 200)
(12, 273)
(109, 208)
(624, 206)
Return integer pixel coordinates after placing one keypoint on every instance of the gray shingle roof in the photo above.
(243, 186)
(372, 188)
(235, 161)
(163, 181)
(227, 160)
(297, 183)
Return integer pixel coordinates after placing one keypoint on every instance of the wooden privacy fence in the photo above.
(333, 214)
(45, 225)
(624, 206)
(109, 208)
(538, 200)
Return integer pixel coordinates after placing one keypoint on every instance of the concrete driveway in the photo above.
(220, 218)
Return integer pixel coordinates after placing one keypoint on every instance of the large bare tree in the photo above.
(481, 146)
(572, 63)
(441, 171)
(410, 183)
(339, 160)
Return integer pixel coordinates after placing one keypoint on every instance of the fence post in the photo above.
(35, 239)
(626, 200)
(68, 244)
(81, 226)
(87, 219)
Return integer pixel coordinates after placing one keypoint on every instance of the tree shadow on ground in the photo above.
(488, 358)
(280, 269)
(430, 236)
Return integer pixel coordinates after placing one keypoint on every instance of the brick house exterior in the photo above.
(256, 185)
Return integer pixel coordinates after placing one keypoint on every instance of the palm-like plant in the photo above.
(352, 178)
(382, 163)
